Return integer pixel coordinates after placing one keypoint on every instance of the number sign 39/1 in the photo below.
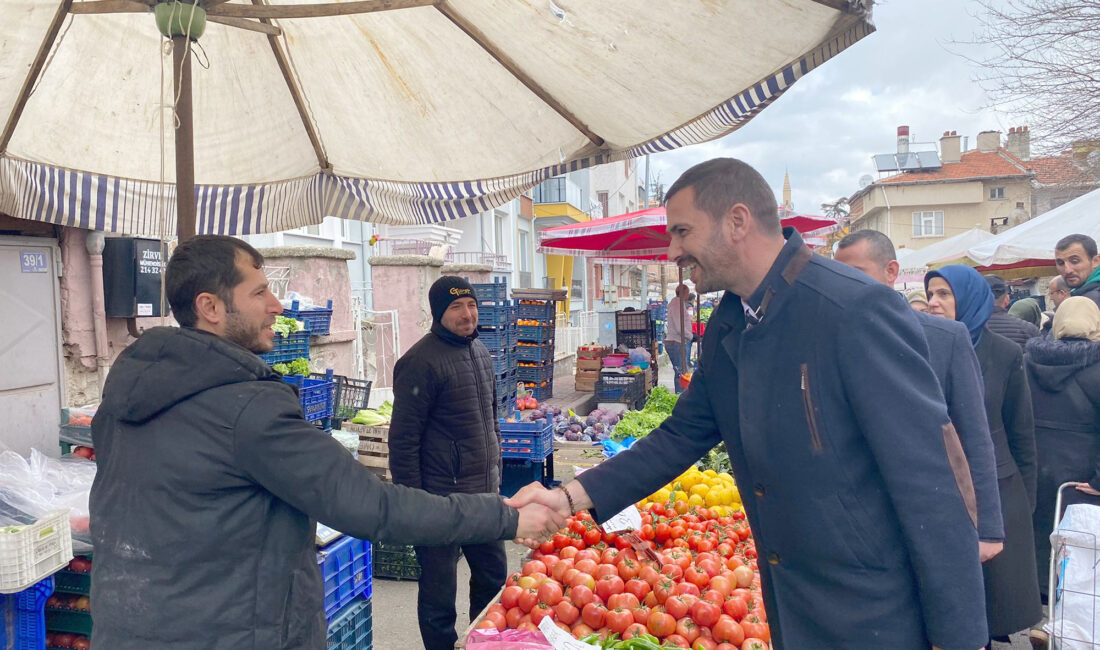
(32, 262)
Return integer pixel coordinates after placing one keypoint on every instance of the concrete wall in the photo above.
(401, 283)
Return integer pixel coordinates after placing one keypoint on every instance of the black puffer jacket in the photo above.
(444, 434)
(203, 508)
(1014, 329)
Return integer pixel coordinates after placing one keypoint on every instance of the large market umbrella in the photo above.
(1027, 250)
(381, 110)
(916, 265)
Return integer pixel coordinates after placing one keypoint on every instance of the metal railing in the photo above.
(496, 260)
(583, 328)
(447, 252)
(378, 343)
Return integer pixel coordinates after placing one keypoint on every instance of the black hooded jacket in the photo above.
(204, 506)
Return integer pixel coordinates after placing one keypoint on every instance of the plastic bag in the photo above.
(507, 640)
(612, 448)
(31, 487)
(1077, 552)
(304, 302)
(639, 355)
(349, 439)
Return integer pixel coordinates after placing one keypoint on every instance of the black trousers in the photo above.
(435, 602)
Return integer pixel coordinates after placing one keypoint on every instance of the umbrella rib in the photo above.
(839, 5)
(32, 74)
(250, 25)
(512, 67)
(111, 7)
(296, 95)
(314, 10)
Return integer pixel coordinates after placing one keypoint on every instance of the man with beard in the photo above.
(445, 438)
(1079, 265)
(816, 378)
(210, 480)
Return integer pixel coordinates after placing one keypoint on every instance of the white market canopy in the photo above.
(394, 111)
(917, 263)
(1034, 240)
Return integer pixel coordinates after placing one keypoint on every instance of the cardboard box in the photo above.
(589, 364)
(585, 386)
(588, 375)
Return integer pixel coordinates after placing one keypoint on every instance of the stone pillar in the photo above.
(475, 273)
(400, 283)
(321, 273)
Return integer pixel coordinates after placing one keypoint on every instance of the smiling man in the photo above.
(1079, 265)
(210, 480)
(816, 378)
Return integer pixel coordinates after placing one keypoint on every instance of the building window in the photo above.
(602, 198)
(314, 230)
(524, 251)
(996, 193)
(928, 223)
(498, 245)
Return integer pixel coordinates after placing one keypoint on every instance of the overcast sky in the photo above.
(826, 127)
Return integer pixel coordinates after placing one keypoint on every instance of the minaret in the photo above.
(787, 204)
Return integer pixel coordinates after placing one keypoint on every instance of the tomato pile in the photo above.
(703, 594)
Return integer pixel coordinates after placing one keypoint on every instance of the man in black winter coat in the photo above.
(211, 481)
(445, 438)
(1014, 329)
(1079, 265)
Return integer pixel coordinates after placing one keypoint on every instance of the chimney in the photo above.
(989, 141)
(949, 147)
(1018, 142)
(903, 139)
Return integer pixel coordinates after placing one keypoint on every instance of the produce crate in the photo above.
(374, 449)
(316, 395)
(352, 396)
(493, 293)
(632, 321)
(542, 352)
(35, 552)
(316, 319)
(620, 388)
(346, 571)
(23, 617)
(395, 562)
(634, 340)
(351, 629)
(526, 440)
(502, 339)
(536, 333)
(540, 310)
(70, 621)
(658, 310)
(542, 391)
(539, 374)
(503, 360)
(518, 473)
(506, 402)
(491, 317)
(288, 348)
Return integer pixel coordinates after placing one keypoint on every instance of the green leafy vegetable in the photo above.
(637, 424)
(704, 314)
(287, 326)
(299, 366)
(660, 400)
(371, 418)
(717, 459)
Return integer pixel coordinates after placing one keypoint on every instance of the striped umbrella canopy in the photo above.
(637, 236)
(267, 115)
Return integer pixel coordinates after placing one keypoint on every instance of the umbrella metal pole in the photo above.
(185, 139)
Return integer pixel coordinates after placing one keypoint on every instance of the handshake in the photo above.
(543, 512)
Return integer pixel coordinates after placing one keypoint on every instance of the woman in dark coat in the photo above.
(1064, 374)
(1011, 586)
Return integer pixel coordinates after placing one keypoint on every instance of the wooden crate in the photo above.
(374, 449)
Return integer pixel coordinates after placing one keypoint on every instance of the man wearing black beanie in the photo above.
(444, 438)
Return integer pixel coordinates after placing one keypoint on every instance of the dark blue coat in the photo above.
(952, 357)
(835, 425)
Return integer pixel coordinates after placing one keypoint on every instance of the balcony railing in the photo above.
(497, 261)
(387, 246)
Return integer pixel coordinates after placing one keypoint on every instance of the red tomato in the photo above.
(633, 630)
(527, 626)
(498, 608)
(541, 611)
(736, 607)
(580, 630)
(714, 596)
(661, 624)
(534, 566)
(687, 628)
(638, 587)
(711, 566)
(569, 551)
(547, 546)
(687, 588)
(678, 606)
(550, 593)
(588, 554)
(606, 570)
(608, 586)
(755, 628)
(550, 560)
(559, 569)
(677, 640)
(592, 536)
(489, 624)
(618, 620)
(567, 612)
(609, 556)
(509, 598)
(593, 615)
(641, 615)
(624, 600)
(733, 562)
(663, 590)
(528, 599)
(581, 595)
(705, 612)
(673, 571)
(628, 568)
(743, 575)
(754, 644)
(725, 550)
(704, 643)
(587, 566)
(574, 578)
(648, 573)
(697, 577)
(728, 630)
(560, 540)
(513, 616)
(722, 585)
(727, 646)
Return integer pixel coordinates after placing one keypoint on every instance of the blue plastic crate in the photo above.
(318, 396)
(506, 402)
(543, 352)
(495, 292)
(316, 319)
(536, 333)
(506, 382)
(497, 340)
(351, 628)
(23, 617)
(503, 360)
(538, 374)
(542, 312)
(495, 317)
(518, 473)
(526, 440)
(541, 393)
(288, 348)
(346, 571)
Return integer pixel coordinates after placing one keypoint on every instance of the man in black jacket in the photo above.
(445, 438)
(1079, 265)
(1014, 329)
(210, 480)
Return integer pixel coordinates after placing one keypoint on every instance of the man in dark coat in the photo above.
(1079, 265)
(445, 438)
(1001, 322)
(956, 366)
(815, 378)
(210, 480)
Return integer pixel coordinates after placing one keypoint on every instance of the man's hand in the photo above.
(536, 493)
(536, 524)
(989, 550)
(1087, 489)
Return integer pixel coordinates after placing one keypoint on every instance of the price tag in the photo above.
(559, 638)
(628, 519)
(32, 262)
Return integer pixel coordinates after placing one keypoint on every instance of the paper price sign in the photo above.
(628, 519)
(559, 638)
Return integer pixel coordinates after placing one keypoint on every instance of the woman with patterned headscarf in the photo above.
(1011, 585)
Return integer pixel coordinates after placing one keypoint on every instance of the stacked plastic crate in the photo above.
(317, 392)
(347, 574)
(496, 325)
(528, 452)
(658, 314)
(535, 322)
